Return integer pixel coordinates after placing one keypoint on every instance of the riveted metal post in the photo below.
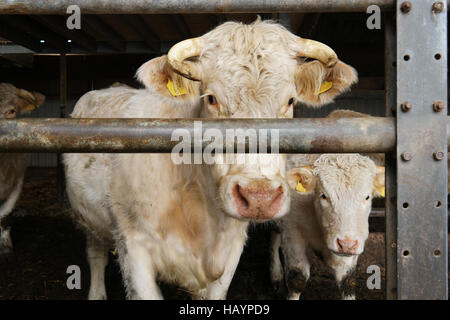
(422, 180)
(390, 58)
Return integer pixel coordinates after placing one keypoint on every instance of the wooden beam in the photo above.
(111, 37)
(58, 25)
(144, 31)
(182, 26)
(308, 28)
(19, 38)
(27, 26)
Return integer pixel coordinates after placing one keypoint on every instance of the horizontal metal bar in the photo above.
(154, 135)
(193, 6)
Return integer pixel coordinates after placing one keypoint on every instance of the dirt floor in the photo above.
(46, 243)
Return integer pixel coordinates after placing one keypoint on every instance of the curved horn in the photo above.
(317, 50)
(182, 51)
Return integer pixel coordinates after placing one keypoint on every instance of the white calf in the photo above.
(329, 212)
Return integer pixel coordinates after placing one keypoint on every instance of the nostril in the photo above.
(339, 244)
(355, 244)
(277, 196)
(239, 197)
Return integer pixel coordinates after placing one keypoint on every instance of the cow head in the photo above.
(342, 187)
(14, 101)
(250, 71)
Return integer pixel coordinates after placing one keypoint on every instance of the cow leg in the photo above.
(217, 290)
(138, 271)
(296, 270)
(344, 273)
(97, 255)
(6, 208)
(6, 247)
(276, 268)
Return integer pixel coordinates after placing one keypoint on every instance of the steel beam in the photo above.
(182, 6)
(390, 60)
(154, 135)
(421, 151)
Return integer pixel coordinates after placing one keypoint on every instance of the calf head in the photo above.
(342, 186)
(14, 101)
(250, 71)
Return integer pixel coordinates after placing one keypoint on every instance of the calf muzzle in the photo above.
(347, 246)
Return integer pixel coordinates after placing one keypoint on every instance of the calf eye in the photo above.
(11, 111)
(291, 101)
(323, 196)
(368, 197)
(212, 100)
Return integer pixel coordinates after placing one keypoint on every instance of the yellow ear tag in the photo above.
(176, 89)
(325, 86)
(300, 187)
(383, 192)
(30, 107)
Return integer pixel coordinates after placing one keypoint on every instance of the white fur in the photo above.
(179, 223)
(346, 180)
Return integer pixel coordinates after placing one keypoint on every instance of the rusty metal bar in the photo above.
(194, 6)
(154, 135)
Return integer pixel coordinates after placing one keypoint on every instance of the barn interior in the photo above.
(39, 53)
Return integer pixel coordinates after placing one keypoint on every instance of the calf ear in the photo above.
(157, 76)
(318, 85)
(301, 179)
(27, 101)
(378, 183)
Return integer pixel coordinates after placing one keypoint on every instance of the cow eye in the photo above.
(368, 197)
(323, 196)
(11, 111)
(291, 101)
(212, 100)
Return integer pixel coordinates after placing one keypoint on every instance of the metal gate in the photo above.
(415, 141)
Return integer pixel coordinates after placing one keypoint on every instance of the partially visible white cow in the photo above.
(330, 210)
(13, 103)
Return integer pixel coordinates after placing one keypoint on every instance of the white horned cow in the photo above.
(186, 224)
(13, 103)
(330, 210)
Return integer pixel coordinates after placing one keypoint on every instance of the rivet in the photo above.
(438, 155)
(406, 156)
(438, 106)
(438, 7)
(406, 106)
(405, 7)
(393, 245)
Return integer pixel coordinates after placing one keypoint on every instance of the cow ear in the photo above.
(301, 179)
(28, 101)
(318, 85)
(378, 183)
(157, 76)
